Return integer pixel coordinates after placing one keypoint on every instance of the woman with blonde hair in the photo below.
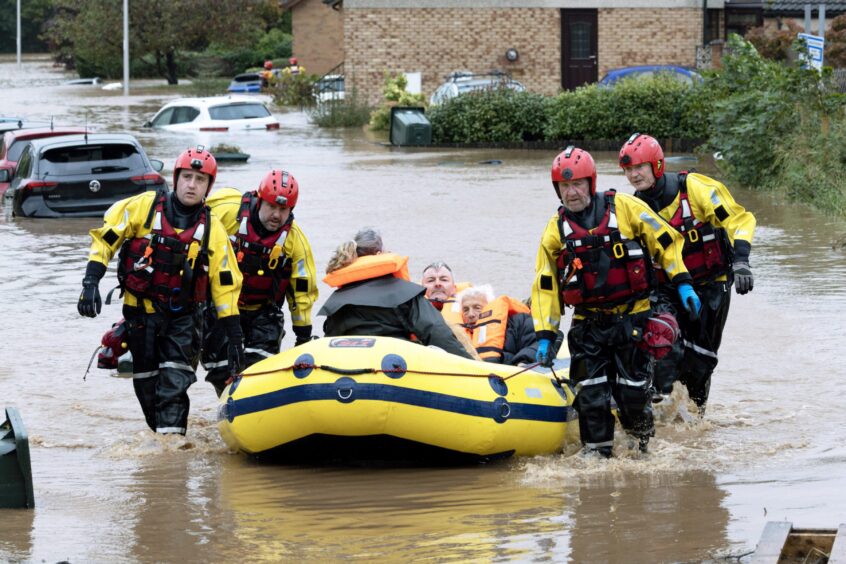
(374, 297)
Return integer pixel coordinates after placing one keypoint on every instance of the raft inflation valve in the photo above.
(15, 468)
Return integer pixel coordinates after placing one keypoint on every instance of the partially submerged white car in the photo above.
(218, 113)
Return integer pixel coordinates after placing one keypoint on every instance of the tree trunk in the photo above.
(170, 62)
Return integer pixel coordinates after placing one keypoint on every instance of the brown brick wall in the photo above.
(318, 36)
(437, 41)
(648, 37)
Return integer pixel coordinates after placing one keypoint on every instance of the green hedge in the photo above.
(662, 106)
(479, 117)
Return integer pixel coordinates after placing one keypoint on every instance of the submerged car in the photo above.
(80, 175)
(218, 113)
(682, 74)
(245, 82)
(12, 144)
(459, 83)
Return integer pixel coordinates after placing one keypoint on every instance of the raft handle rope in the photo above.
(395, 370)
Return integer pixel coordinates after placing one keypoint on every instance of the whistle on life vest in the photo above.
(145, 260)
(274, 257)
(240, 256)
(193, 251)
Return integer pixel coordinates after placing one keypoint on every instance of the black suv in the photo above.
(80, 175)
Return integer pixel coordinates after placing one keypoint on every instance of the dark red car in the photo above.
(12, 143)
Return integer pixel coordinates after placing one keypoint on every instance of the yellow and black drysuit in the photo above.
(275, 265)
(717, 233)
(599, 261)
(171, 258)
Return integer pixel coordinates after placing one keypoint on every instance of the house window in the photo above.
(713, 30)
(580, 40)
(740, 21)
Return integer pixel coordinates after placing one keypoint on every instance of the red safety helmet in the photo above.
(197, 159)
(268, 65)
(643, 149)
(571, 164)
(292, 61)
(279, 187)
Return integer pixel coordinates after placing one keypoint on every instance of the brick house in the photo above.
(318, 31)
(559, 44)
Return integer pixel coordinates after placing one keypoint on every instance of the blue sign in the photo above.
(815, 46)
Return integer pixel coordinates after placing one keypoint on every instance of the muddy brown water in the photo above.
(108, 490)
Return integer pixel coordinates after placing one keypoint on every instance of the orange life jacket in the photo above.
(367, 267)
(488, 333)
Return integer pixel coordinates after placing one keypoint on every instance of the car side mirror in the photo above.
(5, 175)
(157, 164)
(148, 124)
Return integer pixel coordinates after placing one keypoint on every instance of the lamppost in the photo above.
(19, 34)
(125, 47)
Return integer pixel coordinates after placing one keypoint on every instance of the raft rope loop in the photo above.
(396, 369)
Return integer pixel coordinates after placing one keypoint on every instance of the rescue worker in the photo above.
(500, 328)
(717, 235)
(173, 253)
(275, 259)
(267, 74)
(293, 67)
(375, 297)
(595, 256)
(441, 289)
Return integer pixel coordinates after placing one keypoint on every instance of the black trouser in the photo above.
(263, 332)
(165, 349)
(694, 358)
(605, 363)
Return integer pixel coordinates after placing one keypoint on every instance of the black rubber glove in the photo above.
(303, 334)
(235, 344)
(89, 304)
(743, 279)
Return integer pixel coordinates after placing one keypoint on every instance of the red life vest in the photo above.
(267, 272)
(600, 266)
(167, 267)
(706, 248)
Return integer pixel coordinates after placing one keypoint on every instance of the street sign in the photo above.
(815, 46)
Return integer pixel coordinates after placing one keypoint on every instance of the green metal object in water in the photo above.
(15, 468)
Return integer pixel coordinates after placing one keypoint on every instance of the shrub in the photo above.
(662, 106)
(293, 89)
(760, 103)
(395, 94)
(496, 115)
(349, 112)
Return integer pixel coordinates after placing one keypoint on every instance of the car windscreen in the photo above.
(239, 111)
(91, 159)
(250, 77)
(15, 150)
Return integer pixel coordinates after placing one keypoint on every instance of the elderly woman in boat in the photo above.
(374, 297)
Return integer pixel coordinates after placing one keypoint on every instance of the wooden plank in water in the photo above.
(838, 550)
(772, 542)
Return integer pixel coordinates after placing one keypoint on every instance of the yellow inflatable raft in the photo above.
(384, 398)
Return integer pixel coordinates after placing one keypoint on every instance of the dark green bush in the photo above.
(490, 116)
(661, 105)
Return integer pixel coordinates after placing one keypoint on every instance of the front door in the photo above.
(578, 48)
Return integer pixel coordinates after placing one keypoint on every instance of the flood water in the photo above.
(107, 490)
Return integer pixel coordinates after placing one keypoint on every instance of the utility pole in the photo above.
(125, 47)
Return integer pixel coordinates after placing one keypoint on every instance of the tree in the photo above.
(160, 30)
(774, 41)
(33, 14)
